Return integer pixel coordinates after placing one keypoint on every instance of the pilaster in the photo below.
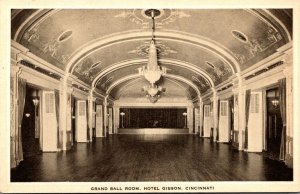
(215, 114)
(200, 115)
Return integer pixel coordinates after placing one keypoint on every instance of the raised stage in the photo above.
(152, 131)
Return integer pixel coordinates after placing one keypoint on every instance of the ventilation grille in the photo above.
(81, 108)
(206, 111)
(264, 70)
(41, 70)
(254, 108)
(49, 98)
(223, 108)
(225, 87)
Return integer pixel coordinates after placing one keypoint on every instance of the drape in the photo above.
(17, 150)
(247, 111)
(87, 119)
(211, 120)
(202, 126)
(40, 94)
(218, 115)
(282, 106)
(59, 135)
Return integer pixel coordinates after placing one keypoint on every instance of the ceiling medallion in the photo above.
(141, 17)
(162, 49)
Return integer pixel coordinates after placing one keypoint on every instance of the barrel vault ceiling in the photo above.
(199, 47)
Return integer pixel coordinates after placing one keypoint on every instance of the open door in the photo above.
(206, 123)
(224, 130)
(255, 123)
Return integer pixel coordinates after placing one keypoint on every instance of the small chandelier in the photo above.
(153, 92)
(152, 72)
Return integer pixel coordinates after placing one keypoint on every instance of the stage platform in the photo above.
(152, 131)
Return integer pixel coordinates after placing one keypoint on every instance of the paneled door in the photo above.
(224, 131)
(207, 121)
(255, 123)
(49, 122)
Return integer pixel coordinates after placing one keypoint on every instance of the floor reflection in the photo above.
(150, 158)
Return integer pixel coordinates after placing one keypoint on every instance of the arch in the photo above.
(138, 79)
(134, 35)
(133, 76)
(139, 61)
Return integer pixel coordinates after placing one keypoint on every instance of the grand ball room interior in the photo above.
(115, 95)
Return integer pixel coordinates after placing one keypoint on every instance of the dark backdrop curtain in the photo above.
(247, 111)
(282, 105)
(17, 150)
(59, 135)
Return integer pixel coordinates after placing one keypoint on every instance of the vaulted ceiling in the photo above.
(201, 48)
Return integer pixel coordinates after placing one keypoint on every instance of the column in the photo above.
(215, 114)
(91, 114)
(105, 104)
(190, 118)
(289, 116)
(241, 113)
(65, 91)
(116, 110)
(200, 115)
(110, 120)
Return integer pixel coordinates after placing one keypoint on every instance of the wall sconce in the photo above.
(275, 101)
(122, 118)
(185, 119)
(27, 115)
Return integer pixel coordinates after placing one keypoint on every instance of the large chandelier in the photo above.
(152, 72)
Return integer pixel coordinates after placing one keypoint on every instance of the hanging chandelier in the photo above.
(152, 72)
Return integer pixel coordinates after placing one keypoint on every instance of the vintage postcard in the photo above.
(149, 96)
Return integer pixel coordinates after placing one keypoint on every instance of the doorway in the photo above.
(30, 126)
(274, 125)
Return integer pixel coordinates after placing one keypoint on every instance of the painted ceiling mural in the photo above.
(57, 35)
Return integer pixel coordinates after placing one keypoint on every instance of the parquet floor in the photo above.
(150, 158)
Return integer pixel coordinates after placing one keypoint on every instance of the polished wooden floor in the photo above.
(150, 158)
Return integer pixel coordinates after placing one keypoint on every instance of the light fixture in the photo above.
(185, 119)
(27, 115)
(152, 72)
(35, 100)
(275, 101)
(122, 117)
(153, 92)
